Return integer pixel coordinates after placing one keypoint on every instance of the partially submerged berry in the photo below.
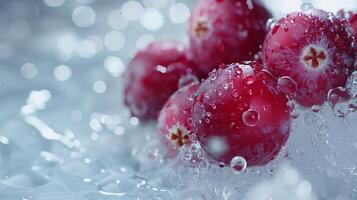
(241, 111)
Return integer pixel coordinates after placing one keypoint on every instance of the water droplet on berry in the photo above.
(250, 117)
(235, 94)
(234, 126)
(270, 24)
(161, 69)
(187, 79)
(247, 70)
(213, 106)
(287, 85)
(249, 79)
(238, 163)
(337, 95)
(190, 120)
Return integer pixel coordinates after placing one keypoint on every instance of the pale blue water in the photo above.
(64, 133)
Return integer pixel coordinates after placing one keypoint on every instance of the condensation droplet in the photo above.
(337, 95)
(287, 85)
(250, 117)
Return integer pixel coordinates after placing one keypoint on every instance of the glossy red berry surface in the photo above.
(240, 111)
(226, 31)
(175, 121)
(153, 75)
(313, 47)
(353, 22)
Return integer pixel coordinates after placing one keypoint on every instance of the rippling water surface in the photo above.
(64, 133)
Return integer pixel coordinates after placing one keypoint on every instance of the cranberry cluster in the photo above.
(249, 76)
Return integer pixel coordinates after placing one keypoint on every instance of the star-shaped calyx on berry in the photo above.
(179, 136)
(314, 57)
(201, 27)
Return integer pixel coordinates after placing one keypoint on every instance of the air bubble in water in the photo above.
(288, 85)
(250, 117)
(238, 163)
(337, 95)
(352, 83)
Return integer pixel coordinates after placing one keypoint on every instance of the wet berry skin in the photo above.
(153, 75)
(175, 120)
(313, 47)
(353, 22)
(226, 31)
(240, 111)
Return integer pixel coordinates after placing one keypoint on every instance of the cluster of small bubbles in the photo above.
(29, 71)
(213, 75)
(238, 163)
(352, 83)
(152, 19)
(161, 69)
(132, 10)
(62, 73)
(144, 40)
(250, 117)
(179, 13)
(99, 86)
(83, 16)
(116, 20)
(114, 40)
(187, 79)
(114, 66)
(54, 3)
